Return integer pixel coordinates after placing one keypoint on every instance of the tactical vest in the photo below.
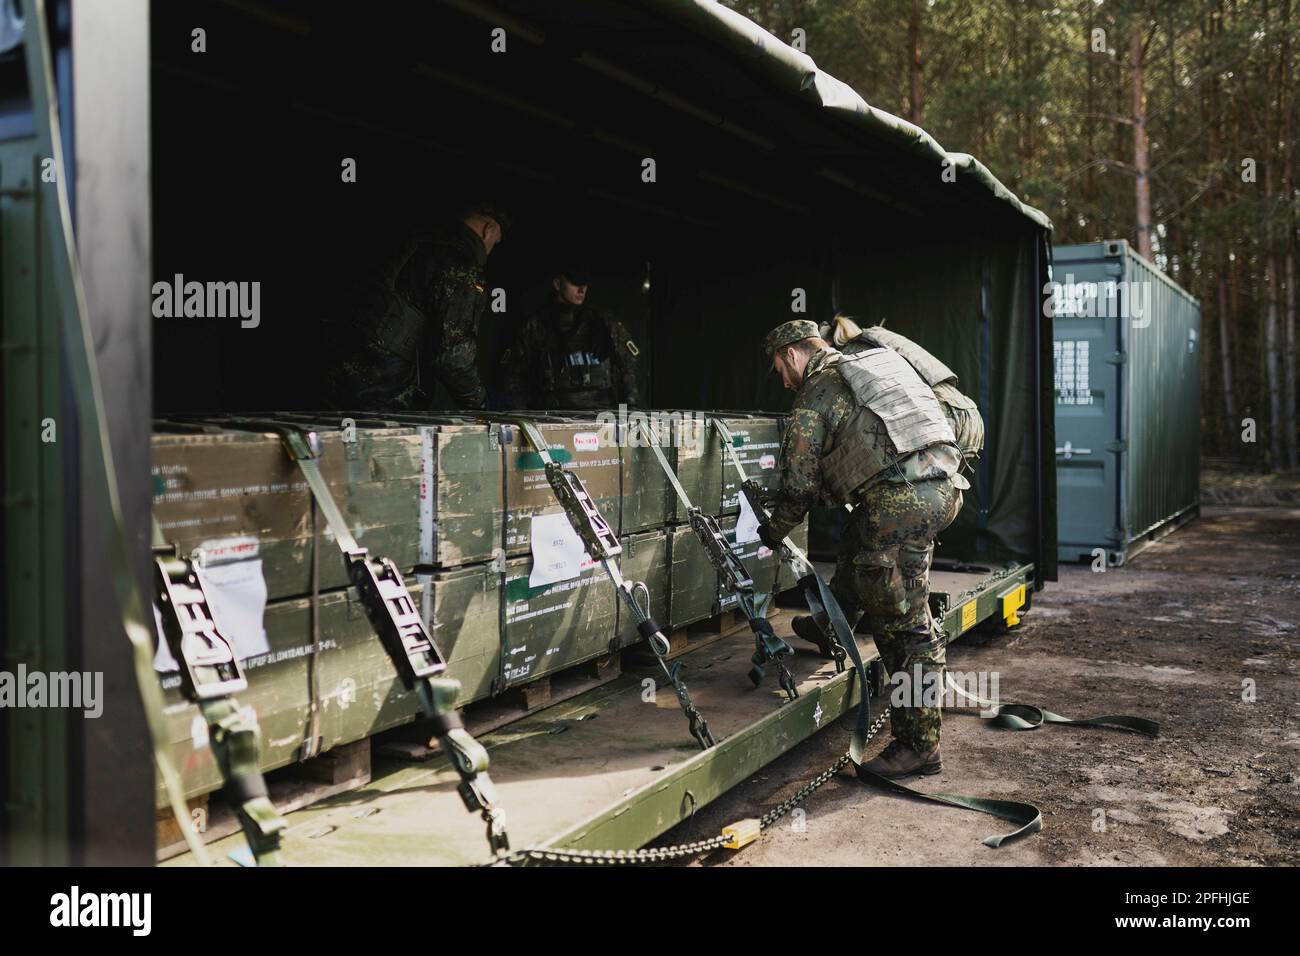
(927, 366)
(896, 414)
(964, 417)
(580, 370)
(962, 413)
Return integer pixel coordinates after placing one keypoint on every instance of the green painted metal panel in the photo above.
(1127, 379)
(34, 785)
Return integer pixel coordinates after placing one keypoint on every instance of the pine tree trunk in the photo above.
(1141, 158)
(1288, 358)
(1225, 347)
(1273, 381)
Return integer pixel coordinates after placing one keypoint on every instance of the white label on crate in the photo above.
(586, 441)
(767, 461)
(558, 554)
(222, 550)
(746, 524)
(236, 596)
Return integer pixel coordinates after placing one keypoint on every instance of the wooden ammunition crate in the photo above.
(758, 446)
(462, 608)
(696, 456)
(228, 493)
(578, 446)
(760, 562)
(693, 584)
(644, 559)
(552, 627)
(359, 690)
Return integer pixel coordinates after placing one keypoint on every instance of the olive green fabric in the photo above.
(971, 301)
(796, 73)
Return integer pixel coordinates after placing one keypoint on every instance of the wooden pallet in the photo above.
(690, 637)
(291, 788)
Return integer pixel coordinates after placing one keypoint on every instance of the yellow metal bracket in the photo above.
(1012, 602)
(741, 833)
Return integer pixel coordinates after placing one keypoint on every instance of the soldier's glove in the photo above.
(768, 538)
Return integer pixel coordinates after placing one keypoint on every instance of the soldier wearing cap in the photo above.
(410, 335)
(866, 430)
(569, 355)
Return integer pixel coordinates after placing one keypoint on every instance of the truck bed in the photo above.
(606, 769)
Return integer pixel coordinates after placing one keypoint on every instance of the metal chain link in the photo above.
(808, 789)
(678, 851)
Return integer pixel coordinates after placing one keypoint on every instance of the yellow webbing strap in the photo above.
(97, 451)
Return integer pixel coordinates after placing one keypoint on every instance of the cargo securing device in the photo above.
(1127, 360)
(731, 184)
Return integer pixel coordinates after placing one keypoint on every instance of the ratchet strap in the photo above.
(602, 545)
(769, 649)
(1031, 717)
(825, 609)
(97, 454)
(1027, 815)
(210, 677)
(402, 632)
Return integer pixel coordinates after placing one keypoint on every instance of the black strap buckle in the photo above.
(395, 618)
(587, 521)
(208, 665)
(734, 577)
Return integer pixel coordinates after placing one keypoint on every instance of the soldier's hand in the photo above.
(768, 538)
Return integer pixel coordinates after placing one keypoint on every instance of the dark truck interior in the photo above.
(758, 191)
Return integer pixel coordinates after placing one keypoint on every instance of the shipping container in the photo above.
(1126, 371)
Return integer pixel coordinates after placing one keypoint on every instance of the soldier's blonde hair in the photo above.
(841, 330)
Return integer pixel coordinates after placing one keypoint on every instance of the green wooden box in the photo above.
(760, 562)
(462, 608)
(359, 690)
(555, 626)
(644, 559)
(758, 446)
(646, 492)
(696, 456)
(693, 583)
(226, 493)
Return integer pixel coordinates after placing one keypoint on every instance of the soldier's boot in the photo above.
(900, 760)
(804, 626)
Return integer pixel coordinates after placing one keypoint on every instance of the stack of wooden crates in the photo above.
(450, 500)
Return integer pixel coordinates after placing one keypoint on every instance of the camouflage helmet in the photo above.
(787, 333)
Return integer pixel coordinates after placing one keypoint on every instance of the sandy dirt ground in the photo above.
(1200, 632)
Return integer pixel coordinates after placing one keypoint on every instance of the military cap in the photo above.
(787, 333)
(576, 271)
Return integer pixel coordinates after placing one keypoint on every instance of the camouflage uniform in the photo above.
(571, 357)
(420, 312)
(883, 563)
